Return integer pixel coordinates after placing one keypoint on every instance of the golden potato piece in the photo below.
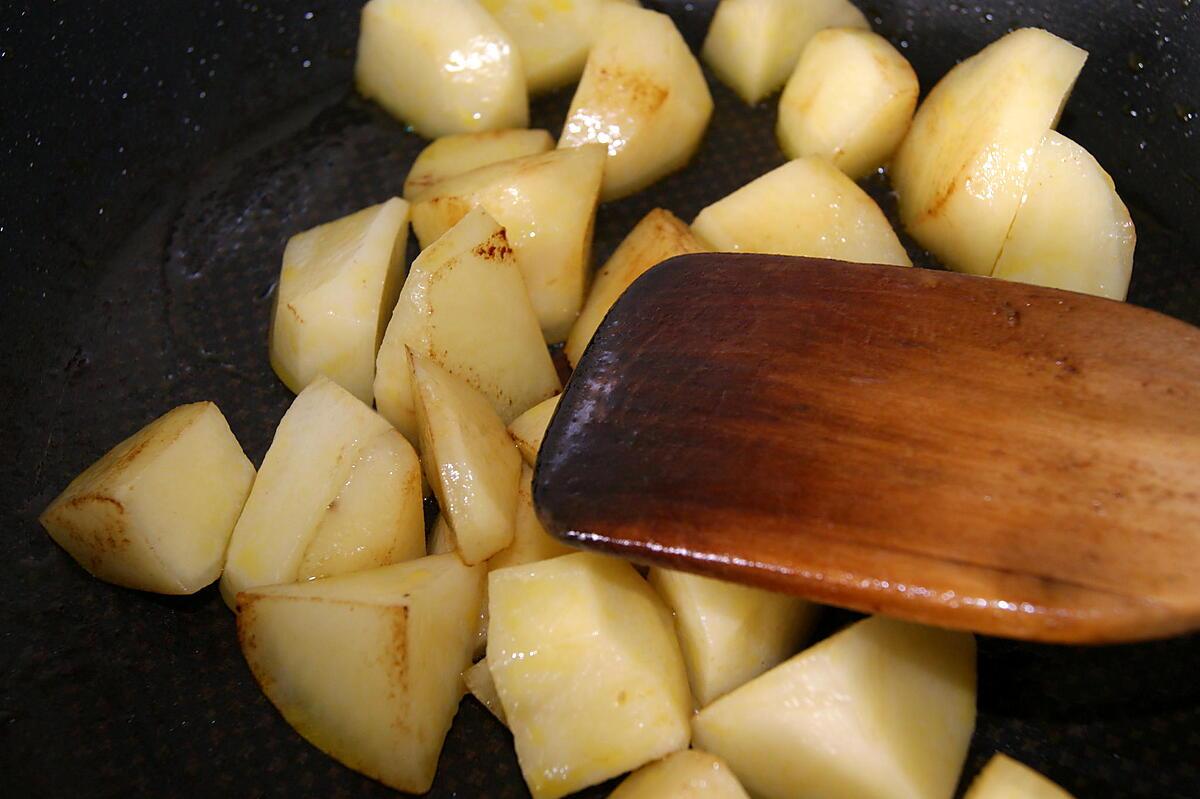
(690, 774)
(528, 429)
(1005, 778)
(463, 152)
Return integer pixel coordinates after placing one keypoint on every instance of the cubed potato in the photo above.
(441, 538)
(528, 429)
(464, 306)
(851, 100)
(730, 633)
(156, 512)
(1071, 231)
(531, 542)
(964, 166)
(659, 236)
(553, 37)
(642, 95)
(444, 67)
(472, 464)
(585, 661)
(881, 710)
(377, 517)
(753, 45)
(336, 292)
(478, 680)
(1005, 778)
(805, 207)
(462, 152)
(368, 666)
(547, 206)
(316, 446)
(690, 774)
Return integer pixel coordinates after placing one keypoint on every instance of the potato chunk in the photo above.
(588, 670)
(1005, 778)
(316, 447)
(730, 633)
(882, 710)
(464, 306)
(805, 207)
(851, 100)
(1072, 231)
(553, 37)
(659, 236)
(547, 206)
(531, 542)
(642, 95)
(690, 774)
(368, 666)
(444, 67)
(964, 166)
(336, 292)
(156, 512)
(528, 429)
(753, 45)
(478, 680)
(441, 537)
(472, 464)
(462, 152)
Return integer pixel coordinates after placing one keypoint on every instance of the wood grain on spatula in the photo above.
(955, 450)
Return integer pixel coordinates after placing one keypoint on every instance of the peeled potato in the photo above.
(444, 67)
(464, 306)
(462, 152)
(336, 291)
(156, 512)
(547, 206)
(441, 538)
(585, 661)
(642, 95)
(753, 45)
(478, 680)
(805, 207)
(659, 236)
(964, 166)
(1005, 778)
(851, 100)
(528, 429)
(690, 774)
(368, 666)
(1071, 231)
(531, 542)
(883, 709)
(472, 464)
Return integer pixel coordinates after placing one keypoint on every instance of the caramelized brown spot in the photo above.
(637, 89)
(496, 248)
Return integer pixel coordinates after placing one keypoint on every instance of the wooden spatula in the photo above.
(959, 451)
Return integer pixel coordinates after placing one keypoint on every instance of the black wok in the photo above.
(154, 157)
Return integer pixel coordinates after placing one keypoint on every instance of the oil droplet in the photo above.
(1186, 114)
(1136, 64)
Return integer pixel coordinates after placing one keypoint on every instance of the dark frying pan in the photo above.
(154, 157)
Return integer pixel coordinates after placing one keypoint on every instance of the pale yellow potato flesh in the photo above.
(156, 512)
(584, 658)
(462, 152)
(658, 236)
(805, 207)
(1072, 231)
(547, 206)
(883, 709)
(443, 68)
(528, 429)
(531, 542)
(472, 464)
(1005, 778)
(315, 446)
(441, 538)
(851, 100)
(377, 517)
(368, 666)
(753, 45)
(730, 633)
(336, 291)
(690, 774)
(478, 681)
(464, 306)
(964, 166)
(553, 37)
(642, 95)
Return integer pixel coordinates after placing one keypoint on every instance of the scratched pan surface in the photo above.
(154, 157)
